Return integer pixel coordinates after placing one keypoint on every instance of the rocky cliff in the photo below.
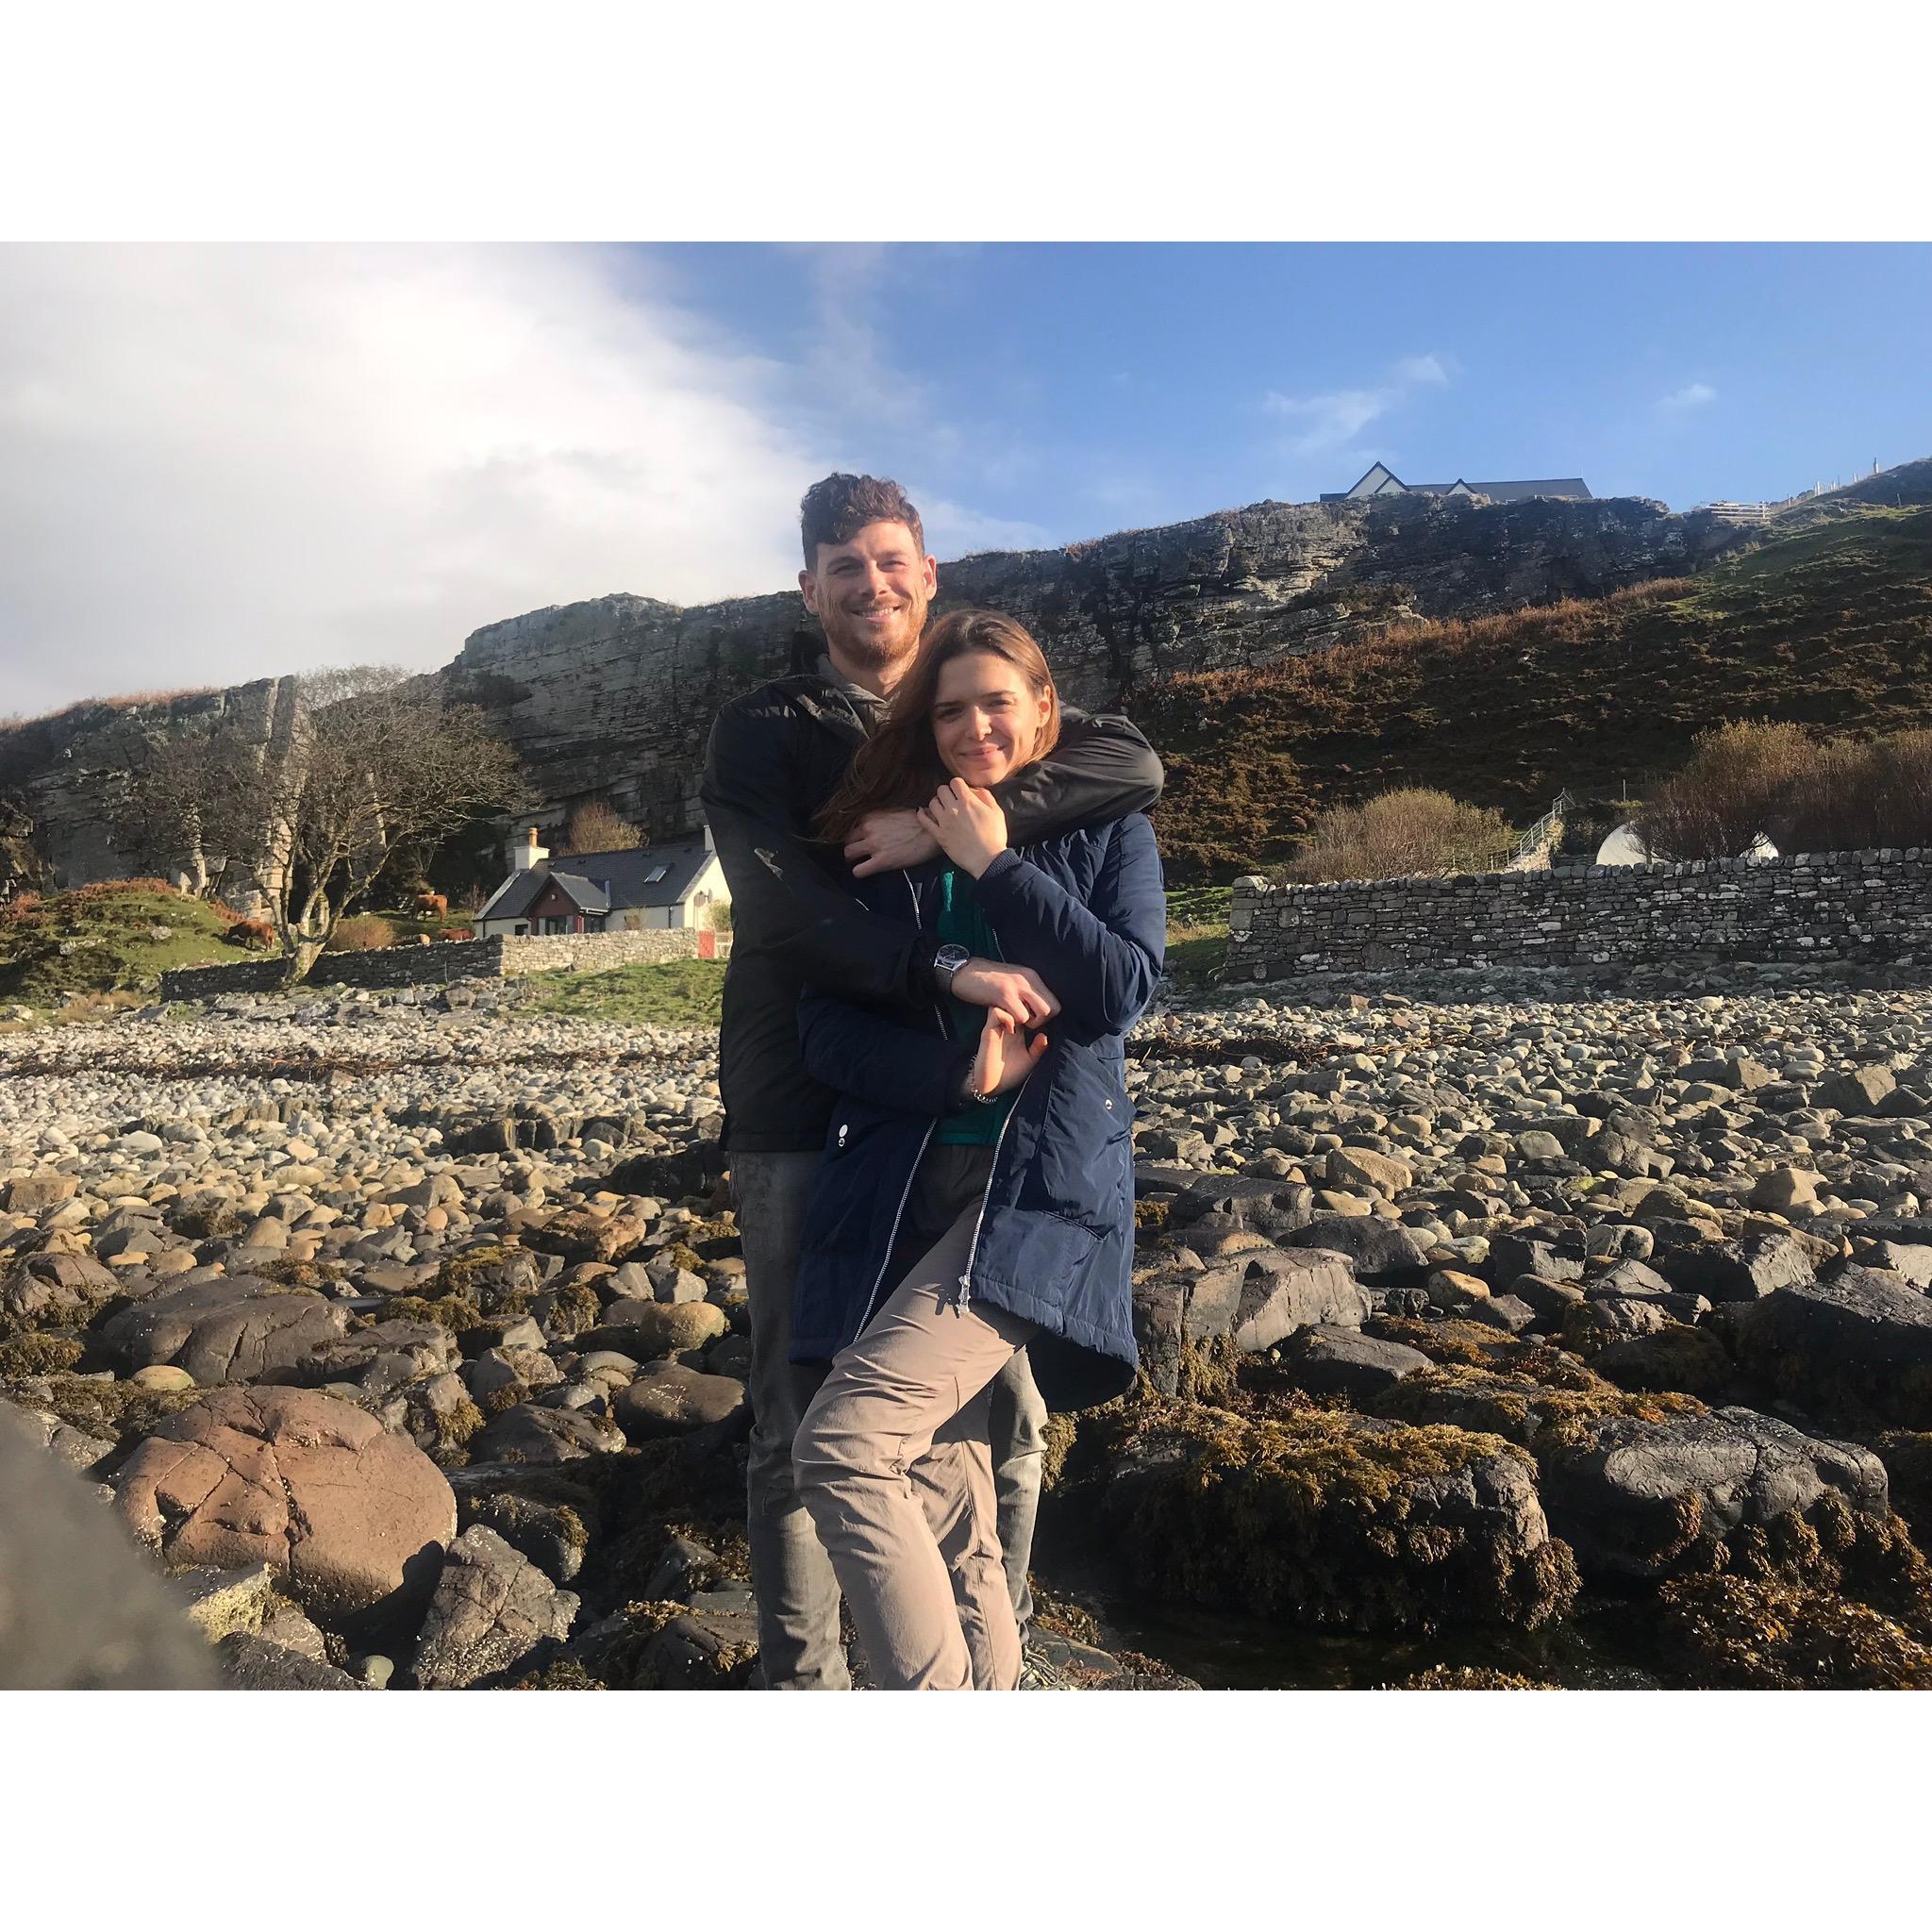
(62, 778)
(613, 697)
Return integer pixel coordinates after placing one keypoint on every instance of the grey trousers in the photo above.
(793, 1579)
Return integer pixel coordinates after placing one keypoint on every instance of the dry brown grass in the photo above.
(1839, 794)
(1400, 835)
(363, 932)
(20, 721)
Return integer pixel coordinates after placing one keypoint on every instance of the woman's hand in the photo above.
(1003, 1061)
(968, 824)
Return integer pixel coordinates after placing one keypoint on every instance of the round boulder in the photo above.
(354, 1519)
(670, 1400)
(223, 1330)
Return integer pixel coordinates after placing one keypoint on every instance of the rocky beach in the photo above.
(1494, 1332)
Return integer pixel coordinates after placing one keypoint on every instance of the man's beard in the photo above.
(857, 642)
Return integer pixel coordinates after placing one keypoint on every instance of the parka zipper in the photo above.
(978, 1220)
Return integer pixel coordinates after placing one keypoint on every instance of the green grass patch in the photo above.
(114, 938)
(672, 992)
(1197, 928)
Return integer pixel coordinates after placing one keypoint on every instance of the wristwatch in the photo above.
(946, 962)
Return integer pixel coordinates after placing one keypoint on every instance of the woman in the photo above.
(998, 1166)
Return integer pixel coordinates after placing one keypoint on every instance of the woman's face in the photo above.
(985, 718)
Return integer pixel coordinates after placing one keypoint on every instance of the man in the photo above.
(775, 756)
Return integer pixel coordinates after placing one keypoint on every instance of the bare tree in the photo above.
(595, 826)
(374, 768)
(194, 808)
(382, 765)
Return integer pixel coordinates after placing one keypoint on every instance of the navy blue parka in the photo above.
(1055, 1241)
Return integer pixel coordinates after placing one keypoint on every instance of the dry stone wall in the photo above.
(1861, 908)
(437, 965)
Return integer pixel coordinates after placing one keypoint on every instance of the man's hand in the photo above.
(1016, 991)
(888, 841)
(968, 824)
(1003, 1063)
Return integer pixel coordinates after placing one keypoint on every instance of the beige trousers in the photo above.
(892, 1460)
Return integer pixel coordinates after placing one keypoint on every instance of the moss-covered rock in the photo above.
(492, 1277)
(1772, 1635)
(1906, 1455)
(1691, 1360)
(1472, 1677)
(1331, 1519)
(447, 1311)
(119, 1411)
(1544, 1390)
(39, 1355)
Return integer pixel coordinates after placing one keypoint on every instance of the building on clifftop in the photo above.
(1380, 480)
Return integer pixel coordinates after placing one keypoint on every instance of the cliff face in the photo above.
(614, 698)
(63, 779)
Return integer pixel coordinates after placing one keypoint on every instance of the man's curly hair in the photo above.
(835, 509)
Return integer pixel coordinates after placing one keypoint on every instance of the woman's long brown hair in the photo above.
(899, 765)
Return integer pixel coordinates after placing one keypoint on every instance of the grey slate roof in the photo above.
(1515, 492)
(600, 882)
(1519, 491)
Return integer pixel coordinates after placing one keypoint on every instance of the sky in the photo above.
(222, 462)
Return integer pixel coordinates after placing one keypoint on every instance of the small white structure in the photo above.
(655, 886)
(1626, 846)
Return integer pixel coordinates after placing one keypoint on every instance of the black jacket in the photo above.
(776, 754)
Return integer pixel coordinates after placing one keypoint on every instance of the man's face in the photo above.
(872, 594)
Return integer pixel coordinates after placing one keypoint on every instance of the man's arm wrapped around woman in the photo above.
(1101, 960)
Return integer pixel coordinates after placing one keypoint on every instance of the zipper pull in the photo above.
(965, 1292)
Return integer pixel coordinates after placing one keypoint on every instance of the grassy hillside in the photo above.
(1829, 626)
(104, 939)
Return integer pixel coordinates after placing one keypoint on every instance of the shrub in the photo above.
(1854, 796)
(1728, 792)
(596, 827)
(19, 903)
(1398, 835)
(256, 934)
(1842, 795)
(365, 932)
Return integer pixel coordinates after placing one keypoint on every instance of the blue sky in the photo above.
(219, 463)
(1077, 388)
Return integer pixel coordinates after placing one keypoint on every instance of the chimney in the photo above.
(526, 855)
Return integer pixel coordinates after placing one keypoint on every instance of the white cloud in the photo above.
(216, 463)
(953, 530)
(1331, 421)
(1414, 371)
(1693, 396)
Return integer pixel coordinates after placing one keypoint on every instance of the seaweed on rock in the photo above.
(1749, 1633)
(1325, 1517)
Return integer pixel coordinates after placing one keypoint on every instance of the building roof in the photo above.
(1519, 491)
(601, 882)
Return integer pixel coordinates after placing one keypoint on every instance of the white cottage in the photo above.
(670, 885)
